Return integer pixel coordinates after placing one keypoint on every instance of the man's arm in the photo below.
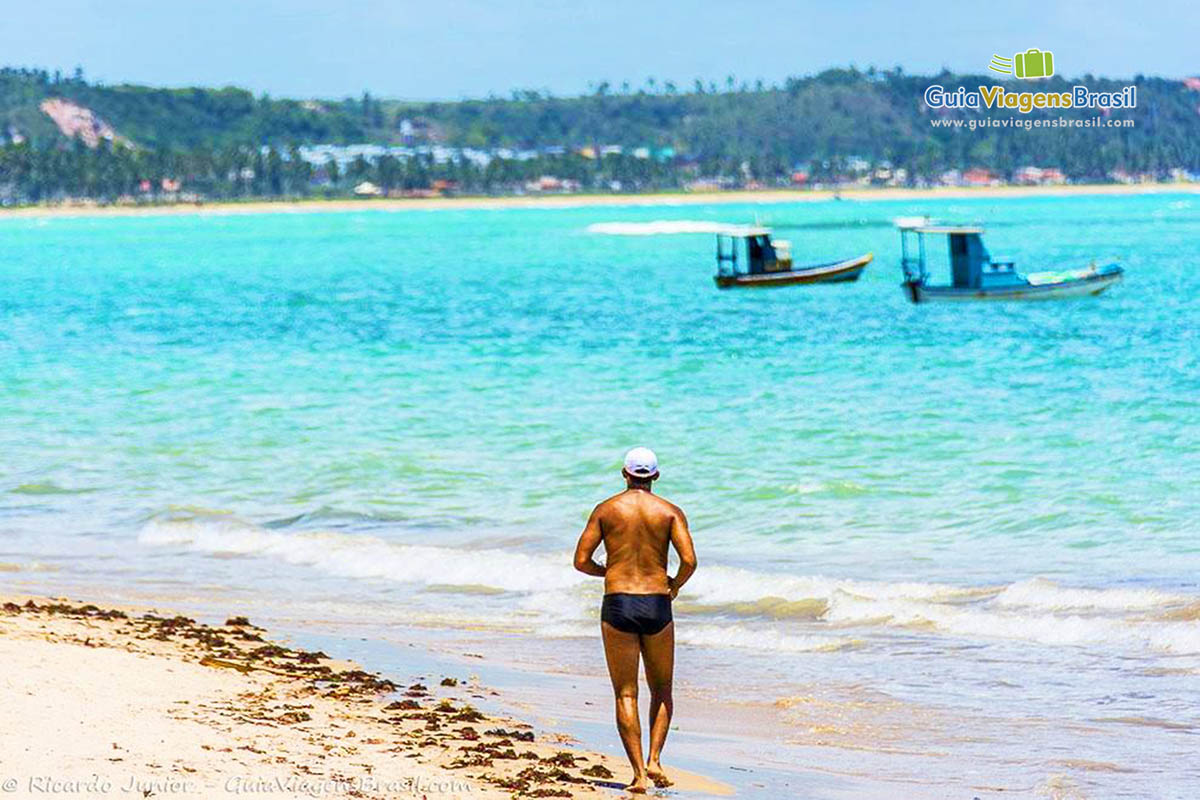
(589, 540)
(681, 539)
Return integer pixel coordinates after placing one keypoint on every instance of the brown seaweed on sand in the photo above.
(520, 736)
(402, 705)
(467, 714)
(598, 771)
(560, 759)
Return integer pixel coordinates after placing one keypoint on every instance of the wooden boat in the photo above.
(768, 262)
(975, 275)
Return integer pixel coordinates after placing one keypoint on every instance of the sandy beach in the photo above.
(763, 196)
(110, 701)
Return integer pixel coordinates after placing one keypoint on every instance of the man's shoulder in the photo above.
(674, 509)
(606, 504)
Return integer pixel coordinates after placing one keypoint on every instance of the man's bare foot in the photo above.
(638, 785)
(656, 774)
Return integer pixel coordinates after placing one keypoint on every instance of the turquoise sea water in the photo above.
(987, 513)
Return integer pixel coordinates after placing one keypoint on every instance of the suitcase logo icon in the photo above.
(1030, 65)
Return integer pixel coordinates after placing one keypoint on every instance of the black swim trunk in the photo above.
(643, 614)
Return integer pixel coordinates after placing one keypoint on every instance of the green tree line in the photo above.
(228, 143)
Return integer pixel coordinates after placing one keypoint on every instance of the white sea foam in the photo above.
(1045, 594)
(1178, 638)
(989, 621)
(659, 227)
(760, 639)
(364, 556)
(724, 585)
(552, 597)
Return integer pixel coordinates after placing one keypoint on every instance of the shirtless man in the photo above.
(635, 620)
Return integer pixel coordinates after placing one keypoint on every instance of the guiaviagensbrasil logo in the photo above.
(1031, 64)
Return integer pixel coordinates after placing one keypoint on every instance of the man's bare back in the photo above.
(637, 529)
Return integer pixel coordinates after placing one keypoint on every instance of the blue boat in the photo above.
(976, 275)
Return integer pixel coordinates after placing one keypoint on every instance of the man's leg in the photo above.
(621, 650)
(658, 651)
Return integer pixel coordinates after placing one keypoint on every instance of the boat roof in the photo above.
(742, 231)
(946, 229)
(924, 225)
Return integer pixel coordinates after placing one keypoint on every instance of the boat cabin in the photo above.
(976, 275)
(971, 266)
(761, 254)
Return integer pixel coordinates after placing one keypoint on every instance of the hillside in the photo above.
(179, 118)
(842, 125)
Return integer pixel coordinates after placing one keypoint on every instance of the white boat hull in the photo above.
(1083, 287)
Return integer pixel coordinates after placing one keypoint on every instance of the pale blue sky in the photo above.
(457, 48)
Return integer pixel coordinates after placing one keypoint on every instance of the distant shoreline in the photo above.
(766, 196)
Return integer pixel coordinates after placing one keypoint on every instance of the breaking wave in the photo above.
(727, 606)
(360, 555)
(659, 227)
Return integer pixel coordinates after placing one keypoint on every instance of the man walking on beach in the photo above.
(635, 620)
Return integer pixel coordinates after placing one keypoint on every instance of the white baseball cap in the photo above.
(641, 462)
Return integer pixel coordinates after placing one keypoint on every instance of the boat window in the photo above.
(754, 252)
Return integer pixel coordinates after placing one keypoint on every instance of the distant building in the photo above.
(977, 176)
(1027, 175)
(552, 184)
(857, 164)
(1039, 176)
(1053, 175)
(713, 184)
(1123, 176)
